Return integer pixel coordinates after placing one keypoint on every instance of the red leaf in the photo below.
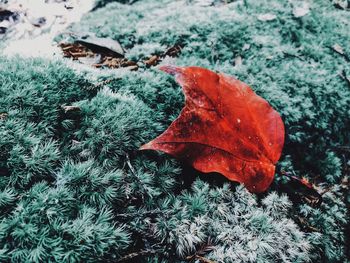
(224, 127)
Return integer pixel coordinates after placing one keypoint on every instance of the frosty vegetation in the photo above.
(75, 188)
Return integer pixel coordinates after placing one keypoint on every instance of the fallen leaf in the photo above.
(204, 249)
(199, 259)
(224, 127)
(266, 17)
(87, 56)
(106, 46)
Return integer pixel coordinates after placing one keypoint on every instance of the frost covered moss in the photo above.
(74, 188)
(237, 228)
(288, 60)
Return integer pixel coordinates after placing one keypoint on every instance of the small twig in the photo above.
(199, 254)
(129, 164)
(136, 176)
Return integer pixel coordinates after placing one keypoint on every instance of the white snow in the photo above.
(27, 40)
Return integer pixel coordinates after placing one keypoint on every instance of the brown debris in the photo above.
(77, 51)
(105, 46)
(173, 51)
(170, 52)
(99, 59)
(112, 62)
(152, 61)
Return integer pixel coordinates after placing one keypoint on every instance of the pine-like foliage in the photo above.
(291, 61)
(231, 226)
(75, 188)
(276, 55)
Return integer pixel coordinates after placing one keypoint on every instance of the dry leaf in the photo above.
(224, 127)
(106, 46)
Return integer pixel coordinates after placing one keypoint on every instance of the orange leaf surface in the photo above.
(224, 127)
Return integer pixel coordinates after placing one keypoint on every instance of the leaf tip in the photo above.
(170, 69)
(147, 146)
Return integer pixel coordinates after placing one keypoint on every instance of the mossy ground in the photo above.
(74, 188)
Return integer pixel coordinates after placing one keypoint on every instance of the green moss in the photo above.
(289, 60)
(75, 188)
